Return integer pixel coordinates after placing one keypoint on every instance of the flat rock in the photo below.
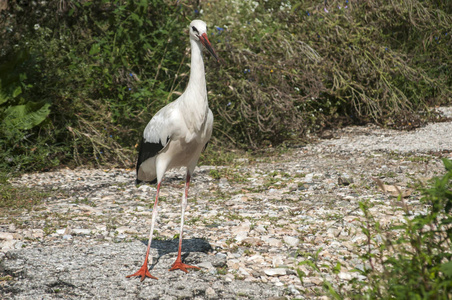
(275, 272)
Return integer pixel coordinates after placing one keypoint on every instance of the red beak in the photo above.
(205, 41)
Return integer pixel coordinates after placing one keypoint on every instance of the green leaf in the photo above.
(301, 274)
(309, 263)
(136, 18)
(17, 92)
(95, 48)
(330, 289)
(26, 116)
(337, 268)
(3, 97)
(446, 268)
(447, 164)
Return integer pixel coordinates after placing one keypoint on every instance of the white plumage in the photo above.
(177, 134)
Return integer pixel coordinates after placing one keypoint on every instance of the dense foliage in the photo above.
(80, 79)
(307, 66)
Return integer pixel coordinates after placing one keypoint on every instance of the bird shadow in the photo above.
(168, 246)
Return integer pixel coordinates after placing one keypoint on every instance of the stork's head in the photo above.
(198, 32)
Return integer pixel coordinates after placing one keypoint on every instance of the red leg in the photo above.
(143, 271)
(178, 264)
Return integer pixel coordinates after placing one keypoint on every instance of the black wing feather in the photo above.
(205, 146)
(148, 150)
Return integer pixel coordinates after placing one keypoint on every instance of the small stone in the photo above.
(277, 261)
(243, 272)
(345, 276)
(221, 255)
(233, 264)
(81, 231)
(293, 290)
(291, 241)
(257, 258)
(361, 277)
(275, 272)
(6, 236)
(256, 273)
(278, 283)
(8, 245)
(19, 245)
(213, 272)
(67, 237)
(316, 280)
(260, 229)
(210, 293)
(244, 227)
(144, 187)
(241, 236)
(125, 229)
(229, 277)
(308, 178)
(224, 184)
(205, 265)
(251, 241)
(274, 242)
(37, 233)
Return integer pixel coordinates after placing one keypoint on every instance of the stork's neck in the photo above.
(194, 100)
(197, 81)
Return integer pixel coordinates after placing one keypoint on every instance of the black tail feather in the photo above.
(138, 181)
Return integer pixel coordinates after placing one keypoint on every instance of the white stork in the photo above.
(176, 136)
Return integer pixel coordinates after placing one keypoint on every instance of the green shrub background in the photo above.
(80, 80)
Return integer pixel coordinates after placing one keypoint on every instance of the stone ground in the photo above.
(248, 227)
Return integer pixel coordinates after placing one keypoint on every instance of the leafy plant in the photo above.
(81, 79)
(413, 259)
(296, 67)
(15, 111)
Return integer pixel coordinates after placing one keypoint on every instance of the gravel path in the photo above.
(248, 226)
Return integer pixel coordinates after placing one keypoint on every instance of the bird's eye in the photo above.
(194, 29)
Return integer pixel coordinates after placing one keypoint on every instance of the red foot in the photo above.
(181, 266)
(143, 272)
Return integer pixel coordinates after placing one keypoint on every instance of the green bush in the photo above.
(81, 79)
(294, 67)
